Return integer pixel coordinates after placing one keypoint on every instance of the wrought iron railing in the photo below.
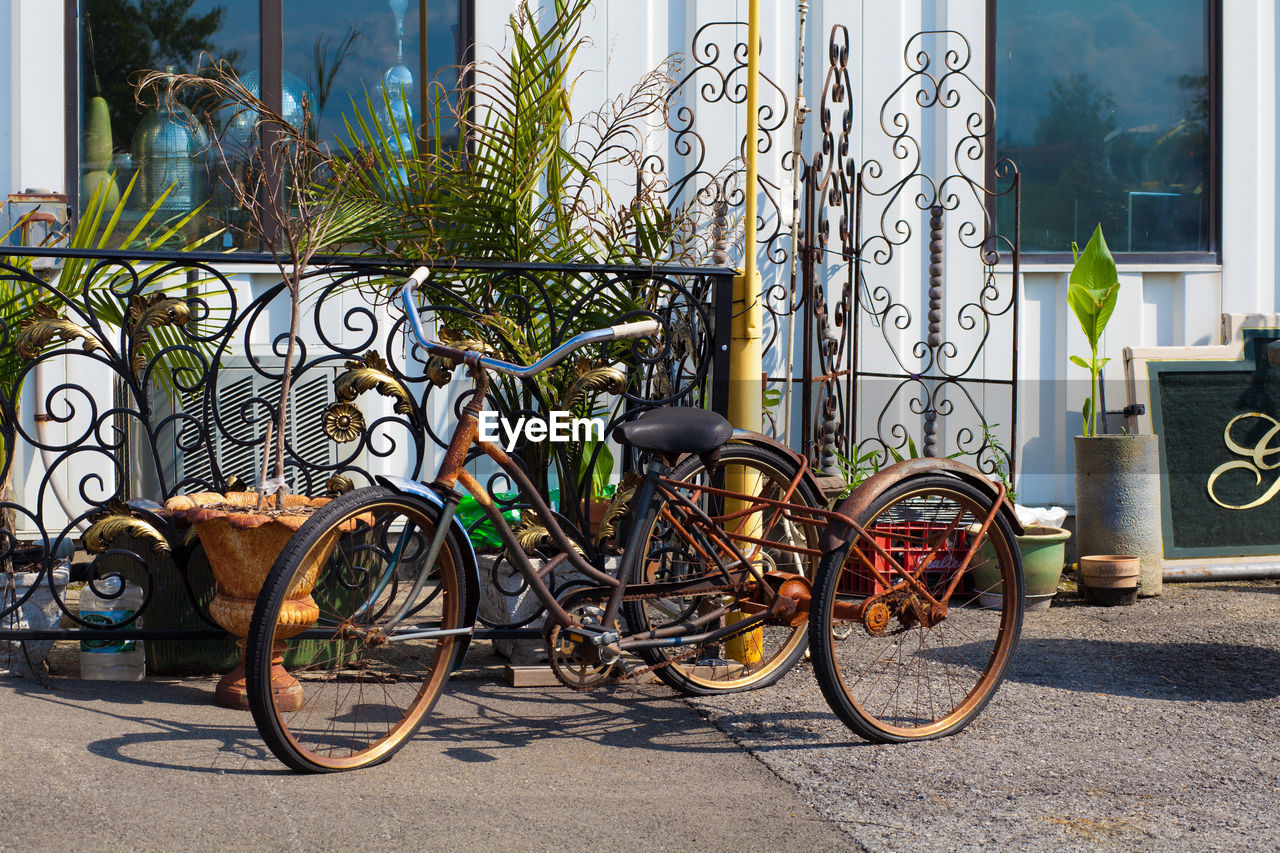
(155, 376)
(137, 394)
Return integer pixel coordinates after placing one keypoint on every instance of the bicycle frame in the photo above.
(771, 598)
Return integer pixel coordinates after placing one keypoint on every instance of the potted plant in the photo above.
(243, 532)
(1043, 547)
(523, 182)
(1117, 477)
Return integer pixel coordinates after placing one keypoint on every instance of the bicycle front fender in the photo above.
(471, 571)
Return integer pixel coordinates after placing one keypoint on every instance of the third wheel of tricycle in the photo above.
(893, 664)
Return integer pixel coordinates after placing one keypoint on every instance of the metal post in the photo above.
(745, 392)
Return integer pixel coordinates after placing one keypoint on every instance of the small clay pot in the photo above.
(1110, 579)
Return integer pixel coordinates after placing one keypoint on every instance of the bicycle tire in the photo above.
(362, 698)
(913, 682)
(667, 558)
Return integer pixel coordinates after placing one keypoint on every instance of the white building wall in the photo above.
(36, 95)
(1160, 304)
(8, 69)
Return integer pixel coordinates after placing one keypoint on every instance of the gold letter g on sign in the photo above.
(1255, 461)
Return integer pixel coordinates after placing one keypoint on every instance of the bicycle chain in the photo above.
(682, 656)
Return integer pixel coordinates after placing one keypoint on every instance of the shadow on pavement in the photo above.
(172, 724)
(1219, 672)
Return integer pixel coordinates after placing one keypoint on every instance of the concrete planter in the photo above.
(40, 612)
(1118, 502)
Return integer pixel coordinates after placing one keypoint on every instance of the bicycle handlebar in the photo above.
(637, 329)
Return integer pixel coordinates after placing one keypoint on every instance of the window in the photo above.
(352, 55)
(1108, 108)
(336, 51)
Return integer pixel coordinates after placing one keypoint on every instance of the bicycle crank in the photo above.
(583, 655)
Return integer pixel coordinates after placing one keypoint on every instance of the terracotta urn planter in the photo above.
(242, 543)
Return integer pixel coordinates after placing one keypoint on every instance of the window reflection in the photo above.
(339, 56)
(367, 56)
(163, 147)
(1107, 120)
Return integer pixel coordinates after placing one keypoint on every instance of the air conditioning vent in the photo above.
(235, 426)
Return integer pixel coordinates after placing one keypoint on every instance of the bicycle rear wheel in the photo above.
(762, 655)
(891, 677)
(366, 681)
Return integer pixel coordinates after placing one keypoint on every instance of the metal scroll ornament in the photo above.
(372, 373)
(36, 332)
(115, 520)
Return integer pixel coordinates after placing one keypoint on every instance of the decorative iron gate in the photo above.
(876, 373)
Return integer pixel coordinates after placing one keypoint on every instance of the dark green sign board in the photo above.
(1219, 428)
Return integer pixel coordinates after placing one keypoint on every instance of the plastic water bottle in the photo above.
(111, 660)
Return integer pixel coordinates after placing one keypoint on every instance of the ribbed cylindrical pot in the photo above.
(1043, 552)
(1118, 501)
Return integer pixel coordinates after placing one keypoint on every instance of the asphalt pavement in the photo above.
(155, 766)
(1152, 727)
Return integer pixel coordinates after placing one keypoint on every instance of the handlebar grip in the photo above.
(419, 276)
(639, 329)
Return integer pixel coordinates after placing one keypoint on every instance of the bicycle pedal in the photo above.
(590, 635)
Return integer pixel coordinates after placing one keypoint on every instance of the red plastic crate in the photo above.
(907, 542)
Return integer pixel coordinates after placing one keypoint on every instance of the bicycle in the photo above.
(375, 596)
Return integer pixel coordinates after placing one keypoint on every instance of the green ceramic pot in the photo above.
(1043, 555)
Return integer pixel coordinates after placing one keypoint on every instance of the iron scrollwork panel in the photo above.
(901, 367)
(166, 383)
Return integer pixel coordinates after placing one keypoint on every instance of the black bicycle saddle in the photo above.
(675, 430)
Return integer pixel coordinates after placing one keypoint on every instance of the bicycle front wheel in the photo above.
(761, 655)
(898, 673)
(365, 681)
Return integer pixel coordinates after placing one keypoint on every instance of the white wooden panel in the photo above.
(8, 115)
(1202, 305)
(1045, 425)
(1162, 300)
(36, 43)
(1249, 223)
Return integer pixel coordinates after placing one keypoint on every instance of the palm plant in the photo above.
(32, 311)
(524, 181)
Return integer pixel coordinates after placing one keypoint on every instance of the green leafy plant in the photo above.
(1091, 292)
(523, 180)
(856, 469)
(1000, 459)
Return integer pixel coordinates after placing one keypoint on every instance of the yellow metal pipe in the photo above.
(746, 355)
(746, 364)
